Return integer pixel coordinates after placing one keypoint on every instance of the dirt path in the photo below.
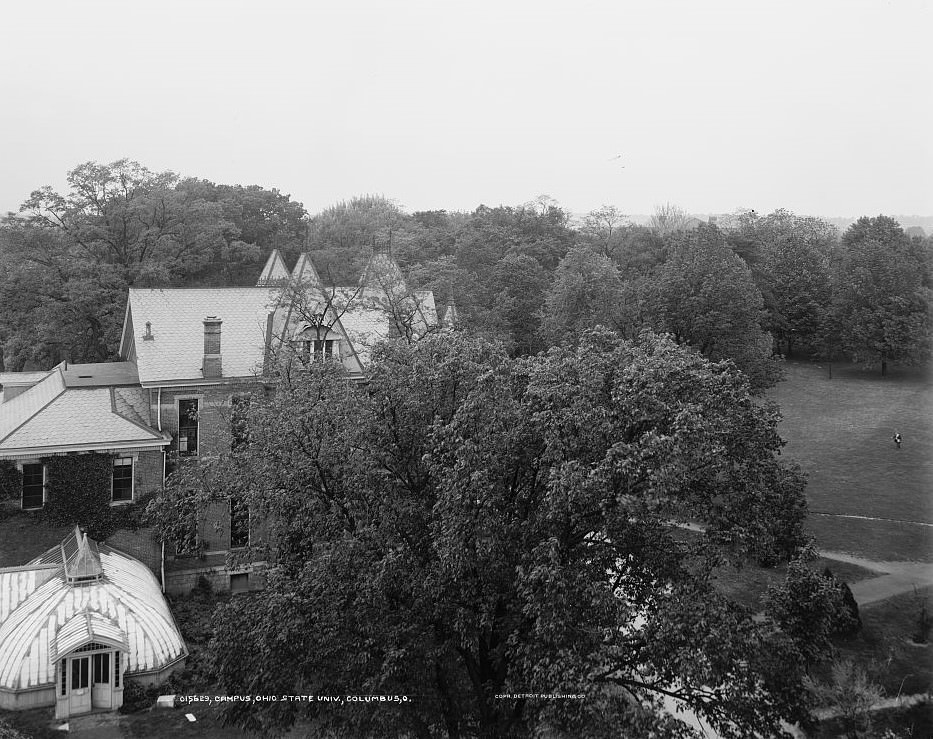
(893, 578)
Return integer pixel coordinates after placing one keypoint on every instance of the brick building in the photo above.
(189, 356)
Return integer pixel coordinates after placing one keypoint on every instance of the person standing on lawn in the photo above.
(897, 439)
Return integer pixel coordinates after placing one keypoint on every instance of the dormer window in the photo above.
(320, 349)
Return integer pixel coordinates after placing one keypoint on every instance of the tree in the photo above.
(602, 226)
(342, 236)
(788, 256)
(850, 691)
(69, 258)
(469, 528)
(797, 292)
(586, 292)
(668, 219)
(880, 304)
(705, 296)
(521, 282)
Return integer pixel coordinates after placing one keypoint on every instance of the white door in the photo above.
(101, 695)
(80, 696)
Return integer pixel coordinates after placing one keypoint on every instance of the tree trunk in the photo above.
(884, 367)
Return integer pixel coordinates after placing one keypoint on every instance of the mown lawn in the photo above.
(840, 430)
(748, 584)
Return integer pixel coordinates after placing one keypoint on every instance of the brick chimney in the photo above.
(211, 366)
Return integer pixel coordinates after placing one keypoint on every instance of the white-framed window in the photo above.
(318, 350)
(35, 480)
(121, 484)
(189, 425)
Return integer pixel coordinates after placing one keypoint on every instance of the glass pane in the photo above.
(188, 426)
(122, 479)
(33, 482)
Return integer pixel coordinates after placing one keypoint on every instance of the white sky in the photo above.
(823, 107)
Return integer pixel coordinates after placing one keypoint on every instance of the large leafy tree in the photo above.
(789, 257)
(706, 297)
(881, 307)
(586, 292)
(69, 258)
(469, 529)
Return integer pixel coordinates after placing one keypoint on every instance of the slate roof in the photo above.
(21, 378)
(176, 351)
(16, 411)
(100, 374)
(42, 617)
(51, 416)
(275, 272)
(305, 273)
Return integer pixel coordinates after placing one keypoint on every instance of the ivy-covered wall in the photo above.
(78, 492)
(11, 480)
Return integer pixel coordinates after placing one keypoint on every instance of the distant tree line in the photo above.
(750, 288)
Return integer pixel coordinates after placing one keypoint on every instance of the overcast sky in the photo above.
(824, 108)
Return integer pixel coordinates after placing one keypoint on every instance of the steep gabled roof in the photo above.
(275, 272)
(176, 350)
(305, 273)
(383, 273)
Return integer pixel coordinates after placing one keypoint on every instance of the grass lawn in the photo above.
(747, 585)
(23, 538)
(840, 430)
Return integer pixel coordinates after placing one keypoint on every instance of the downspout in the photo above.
(159, 425)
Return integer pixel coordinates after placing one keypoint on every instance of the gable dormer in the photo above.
(383, 273)
(305, 275)
(275, 272)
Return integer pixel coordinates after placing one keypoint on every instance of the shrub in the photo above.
(137, 697)
(851, 692)
(849, 622)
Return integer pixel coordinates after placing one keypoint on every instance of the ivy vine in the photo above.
(11, 480)
(78, 492)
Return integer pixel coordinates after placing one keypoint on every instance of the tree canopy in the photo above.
(470, 528)
(881, 307)
(68, 259)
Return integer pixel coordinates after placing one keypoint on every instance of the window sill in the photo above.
(33, 508)
(120, 502)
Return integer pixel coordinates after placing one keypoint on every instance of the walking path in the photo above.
(893, 579)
